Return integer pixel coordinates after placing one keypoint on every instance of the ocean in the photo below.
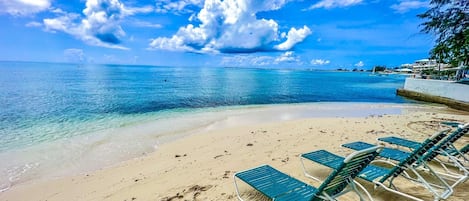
(73, 118)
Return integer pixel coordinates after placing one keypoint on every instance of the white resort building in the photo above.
(425, 64)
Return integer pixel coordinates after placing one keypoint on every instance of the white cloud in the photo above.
(74, 55)
(231, 26)
(247, 60)
(359, 64)
(23, 7)
(58, 11)
(100, 25)
(181, 6)
(33, 24)
(334, 3)
(262, 60)
(287, 57)
(319, 62)
(138, 10)
(139, 23)
(236, 60)
(406, 5)
(294, 36)
(63, 23)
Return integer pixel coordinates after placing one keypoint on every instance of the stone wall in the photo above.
(452, 94)
(447, 89)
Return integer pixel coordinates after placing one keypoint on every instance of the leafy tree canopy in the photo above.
(379, 68)
(449, 21)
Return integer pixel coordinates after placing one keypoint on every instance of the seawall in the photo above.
(452, 94)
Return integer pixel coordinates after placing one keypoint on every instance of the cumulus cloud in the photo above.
(334, 3)
(319, 62)
(231, 26)
(294, 36)
(406, 5)
(100, 25)
(62, 23)
(23, 7)
(359, 64)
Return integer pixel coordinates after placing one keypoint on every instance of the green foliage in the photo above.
(449, 21)
(379, 68)
(441, 75)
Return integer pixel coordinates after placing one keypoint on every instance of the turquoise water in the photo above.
(44, 101)
(67, 115)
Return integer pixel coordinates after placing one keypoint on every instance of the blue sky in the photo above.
(322, 34)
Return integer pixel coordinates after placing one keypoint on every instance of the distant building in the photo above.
(428, 64)
(421, 65)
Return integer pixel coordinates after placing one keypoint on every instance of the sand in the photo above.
(201, 166)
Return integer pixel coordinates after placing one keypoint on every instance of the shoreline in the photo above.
(218, 130)
(96, 150)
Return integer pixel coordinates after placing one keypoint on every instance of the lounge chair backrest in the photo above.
(347, 171)
(444, 144)
(416, 154)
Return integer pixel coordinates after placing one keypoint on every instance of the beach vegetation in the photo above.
(438, 74)
(380, 68)
(448, 20)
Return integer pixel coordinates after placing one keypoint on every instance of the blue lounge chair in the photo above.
(443, 148)
(276, 185)
(448, 148)
(398, 141)
(383, 177)
(387, 153)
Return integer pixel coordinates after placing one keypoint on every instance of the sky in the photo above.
(318, 34)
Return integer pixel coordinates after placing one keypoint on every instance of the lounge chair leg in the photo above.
(449, 188)
(327, 197)
(456, 178)
(397, 192)
(236, 187)
(428, 186)
(354, 185)
(306, 173)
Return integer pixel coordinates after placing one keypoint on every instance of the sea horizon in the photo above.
(272, 67)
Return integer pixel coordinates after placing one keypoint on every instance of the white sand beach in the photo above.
(200, 166)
